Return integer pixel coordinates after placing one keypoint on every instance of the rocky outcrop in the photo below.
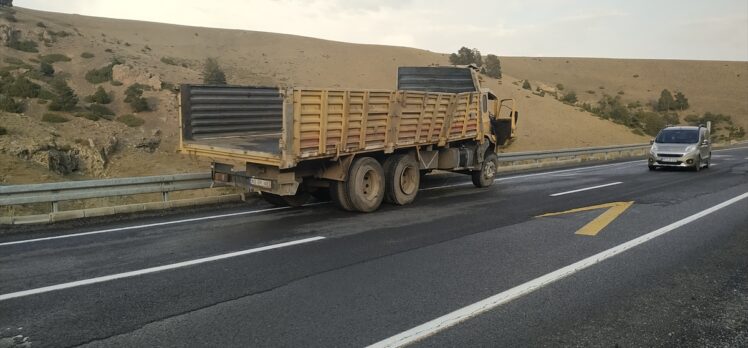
(129, 75)
(85, 157)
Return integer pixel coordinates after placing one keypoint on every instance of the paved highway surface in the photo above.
(459, 267)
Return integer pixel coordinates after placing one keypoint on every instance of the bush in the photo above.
(134, 97)
(116, 83)
(465, 56)
(65, 100)
(169, 61)
(681, 102)
(54, 118)
(41, 25)
(45, 94)
(101, 111)
(15, 61)
(569, 98)
(651, 122)
(87, 55)
(131, 121)
(54, 58)
(3, 131)
(526, 85)
(46, 69)
(560, 87)
(8, 104)
(212, 73)
(493, 66)
(23, 88)
(100, 75)
(100, 96)
(24, 46)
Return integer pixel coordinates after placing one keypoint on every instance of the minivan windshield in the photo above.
(678, 136)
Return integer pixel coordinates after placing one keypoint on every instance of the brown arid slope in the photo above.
(711, 86)
(175, 54)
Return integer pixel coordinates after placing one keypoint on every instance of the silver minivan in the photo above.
(681, 147)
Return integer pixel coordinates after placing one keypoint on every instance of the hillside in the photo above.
(165, 55)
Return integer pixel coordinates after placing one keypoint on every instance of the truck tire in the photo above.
(339, 195)
(365, 184)
(402, 179)
(485, 176)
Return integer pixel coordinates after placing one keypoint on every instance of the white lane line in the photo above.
(439, 324)
(536, 174)
(212, 217)
(586, 189)
(152, 269)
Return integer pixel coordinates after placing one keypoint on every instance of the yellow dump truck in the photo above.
(357, 147)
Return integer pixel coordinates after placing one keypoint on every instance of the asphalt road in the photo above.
(670, 270)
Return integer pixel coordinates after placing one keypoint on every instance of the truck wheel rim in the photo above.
(370, 185)
(490, 170)
(408, 179)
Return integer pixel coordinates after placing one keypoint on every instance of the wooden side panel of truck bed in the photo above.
(335, 122)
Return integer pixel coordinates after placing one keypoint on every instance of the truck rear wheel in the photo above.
(339, 195)
(402, 179)
(365, 184)
(485, 176)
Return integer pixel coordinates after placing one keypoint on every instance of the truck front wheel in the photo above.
(365, 184)
(402, 179)
(485, 176)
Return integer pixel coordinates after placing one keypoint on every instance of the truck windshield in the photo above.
(678, 136)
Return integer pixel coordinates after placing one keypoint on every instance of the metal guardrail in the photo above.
(541, 155)
(72, 190)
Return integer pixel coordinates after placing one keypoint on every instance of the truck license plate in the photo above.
(261, 183)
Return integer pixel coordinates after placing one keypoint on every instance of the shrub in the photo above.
(45, 94)
(65, 100)
(569, 98)
(493, 66)
(526, 85)
(46, 69)
(651, 122)
(24, 46)
(560, 87)
(54, 118)
(23, 88)
(131, 121)
(101, 75)
(8, 104)
(681, 102)
(41, 25)
(465, 56)
(590, 92)
(212, 73)
(3, 131)
(134, 97)
(87, 55)
(100, 96)
(101, 111)
(169, 61)
(54, 58)
(116, 83)
(15, 61)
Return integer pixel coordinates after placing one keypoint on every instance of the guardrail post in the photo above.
(55, 207)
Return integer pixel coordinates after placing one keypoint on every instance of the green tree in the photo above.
(666, 101)
(212, 73)
(134, 97)
(100, 96)
(681, 102)
(493, 66)
(465, 56)
(66, 99)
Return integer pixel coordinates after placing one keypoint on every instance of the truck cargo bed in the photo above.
(263, 143)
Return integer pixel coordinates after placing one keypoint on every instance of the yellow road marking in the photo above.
(615, 209)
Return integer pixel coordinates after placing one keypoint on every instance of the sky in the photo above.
(655, 29)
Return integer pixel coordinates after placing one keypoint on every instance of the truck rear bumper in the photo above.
(272, 181)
